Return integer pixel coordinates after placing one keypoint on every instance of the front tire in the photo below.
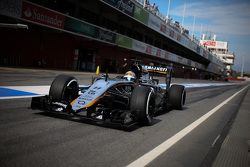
(64, 88)
(177, 96)
(142, 103)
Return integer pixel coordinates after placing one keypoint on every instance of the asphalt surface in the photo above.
(235, 149)
(34, 138)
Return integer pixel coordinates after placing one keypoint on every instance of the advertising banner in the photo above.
(171, 33)
(184, 41)
(214, 44)
(174, 57)
(221, 45)
(170, 56)
(125, 6)
(180, 59)
(163, 54)
(139, 46)
(130, 8)
(106, 36)
(198, 49)
(192, 64)
(192, 45)
(201, 51)
(123, 41)
(205, 54)
(208, 43)
(141, 15)
(158, 52)
(157, 24)
(163, 28)
(42, 15)
(210, 57)
(153, 51)
(154, 22)
(178, 37)
(149, 49)
(78, 26)
(11, 8)
(166, 55)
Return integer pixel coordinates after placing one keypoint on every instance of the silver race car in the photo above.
(126, 100)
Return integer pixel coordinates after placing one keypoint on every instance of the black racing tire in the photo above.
(64, 88)
(177, 96)
(142, 103)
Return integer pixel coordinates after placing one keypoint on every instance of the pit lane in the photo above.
(32, 138)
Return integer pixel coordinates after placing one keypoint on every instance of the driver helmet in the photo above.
(130, 76)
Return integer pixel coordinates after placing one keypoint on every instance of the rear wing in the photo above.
(167, 71)
(155, 69)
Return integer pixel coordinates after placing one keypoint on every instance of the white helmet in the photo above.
(130, 76)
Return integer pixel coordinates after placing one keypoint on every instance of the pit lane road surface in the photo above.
(34, 138)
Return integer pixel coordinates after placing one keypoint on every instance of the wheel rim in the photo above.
(183, 97)
(150, 106)
(68, 93)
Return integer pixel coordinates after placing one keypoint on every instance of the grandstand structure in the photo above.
(81, 35)
(221, 50)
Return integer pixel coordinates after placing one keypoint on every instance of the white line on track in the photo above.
(44, 90)
(39, 90)
(151, 155)
(215, 140)
(18, 97)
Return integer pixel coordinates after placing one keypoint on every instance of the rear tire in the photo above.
(64, 88)
(142, 103)
(177, 96)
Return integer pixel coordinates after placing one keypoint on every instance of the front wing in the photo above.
(109, 117)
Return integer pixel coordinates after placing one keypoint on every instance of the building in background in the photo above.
(81, 35)
(220, 49)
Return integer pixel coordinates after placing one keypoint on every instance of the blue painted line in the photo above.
(5, 92)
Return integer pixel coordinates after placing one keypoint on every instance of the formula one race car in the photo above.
(133, 98)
